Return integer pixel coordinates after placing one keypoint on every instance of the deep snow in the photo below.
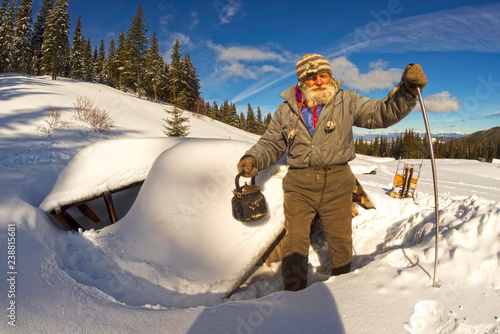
(116, 280)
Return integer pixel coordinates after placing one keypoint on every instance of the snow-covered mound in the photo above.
(105, 166)
(180, 233)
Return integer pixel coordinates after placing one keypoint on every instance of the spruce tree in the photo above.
(6, 36)
(233, 116)
(251, 124)
(267, 121)
(137, 43)
(259, 122)
(175, 70)
(77, 49)
(155, 70)
(22, 38)
(37, 37)
(243, 121)
(55, 45)
(88, 65)
(176, 124)
(100, 73)
(122, 60)
(190, 81)
(112, 65)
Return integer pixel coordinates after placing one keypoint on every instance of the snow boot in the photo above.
(342, 270)
(294, 272)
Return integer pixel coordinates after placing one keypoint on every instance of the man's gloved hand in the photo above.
(249, 165)
(413, 77)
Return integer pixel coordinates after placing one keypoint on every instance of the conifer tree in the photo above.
(251, 124)
(243, 121)
(190, 81)
(87, 68)
(176, 124)
(22, 37)
(137, 43)
(37, 37)
(155, 75)
(77, 49)
(6, 36)
(122, 60)
(233, 119)
(267, 121)
(259, 122)
(100, 73)
(175, 70)
(55, 45)
(112, 64)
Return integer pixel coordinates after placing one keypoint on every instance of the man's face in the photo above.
(318, 89)
(319, 80)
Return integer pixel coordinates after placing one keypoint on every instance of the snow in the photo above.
(167, 264)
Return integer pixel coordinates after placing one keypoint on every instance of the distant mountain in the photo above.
(491, 134)
(444, 136)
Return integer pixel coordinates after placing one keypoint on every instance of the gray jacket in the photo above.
(325, 147)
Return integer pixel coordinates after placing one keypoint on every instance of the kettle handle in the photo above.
(237, 181)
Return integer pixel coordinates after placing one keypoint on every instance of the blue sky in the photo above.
(246, 51)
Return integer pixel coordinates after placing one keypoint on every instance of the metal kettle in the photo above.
(248, 203)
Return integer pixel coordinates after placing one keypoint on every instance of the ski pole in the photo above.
(434, 177)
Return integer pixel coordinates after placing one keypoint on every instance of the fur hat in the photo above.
(311, 64)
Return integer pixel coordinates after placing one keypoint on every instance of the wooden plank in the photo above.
(110, 206)
(87, 212)
(66, 220)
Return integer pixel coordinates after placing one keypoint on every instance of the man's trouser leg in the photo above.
(298, 217)
(307, 192)
(335, 212)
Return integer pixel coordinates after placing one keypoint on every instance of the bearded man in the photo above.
(314, 125)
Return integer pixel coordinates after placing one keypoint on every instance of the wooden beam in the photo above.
(87, 212)
(110, 206)
(66, 220)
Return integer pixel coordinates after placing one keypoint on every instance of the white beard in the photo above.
(316, 97)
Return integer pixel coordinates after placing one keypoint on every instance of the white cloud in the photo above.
(195, 16)
(248, 62)
(377, 78)
(440, 102)
(227, 11)
(238, 70)
(246, 53)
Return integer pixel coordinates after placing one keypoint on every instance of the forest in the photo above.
(412, 145)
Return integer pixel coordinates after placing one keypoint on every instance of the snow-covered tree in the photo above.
(176, 123)
(122, 60)
(155, 75)
(88, 62)
(76, 57)
(137, 43)
(37, 37)
(175, 70)
(112, 64)
(55, 45)
(243, 121)
(190, 81)
(7, 36)
(100, 73)
(251, 124)
(22, 37)
(259, 121)
(233, 116)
